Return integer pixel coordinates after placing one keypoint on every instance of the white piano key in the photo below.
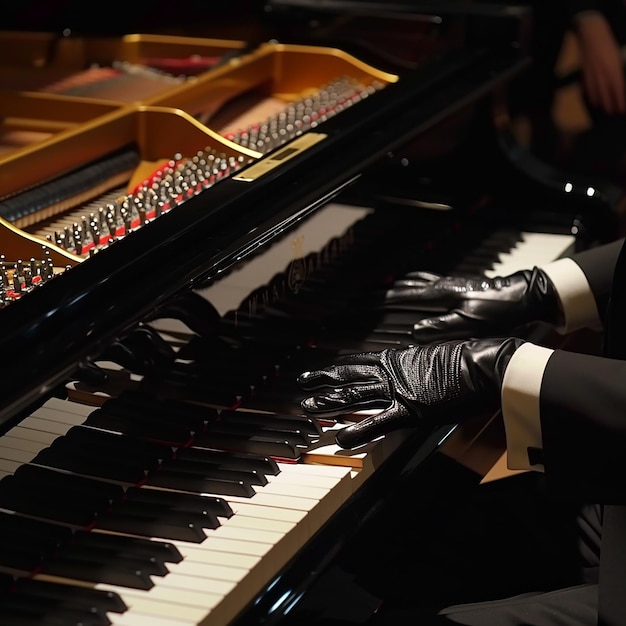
(68, 407)
(200, 582)
(205, 598)
(166, 609)
(14, 454)
(9, 467)
(201, 569)
(262, 523)
(156, 594)
(19, 443)
(253, 510)
(297, 490)
(35, 436)
(202, 553)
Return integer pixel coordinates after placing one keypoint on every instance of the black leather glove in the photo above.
(475, 306)
(421, 385)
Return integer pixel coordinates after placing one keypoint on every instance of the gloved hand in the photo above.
(475, 306)
(421, 385)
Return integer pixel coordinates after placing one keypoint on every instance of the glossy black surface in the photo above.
(79, 312)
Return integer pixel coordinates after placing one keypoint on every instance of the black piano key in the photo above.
(282, 397)
(179, 386)
(339, 346)
(274, 421)
(139, 399)
(39, 543)
(402, 315)
(231, 362)
(74, 491)
(501, 241)
(162, 550)
(226, 385)
(157, 431)
(70, 595)
(22, 557)
(116, 444)
(14, 612)
(81, 462)
(168, 410)
(389, 328)
(153, 527)
(62, 507)
(24, 549)
(233, 351)
(25, 542)
(277, 447)
(264, 464)
(54, 534)
(149, 510)
(186, 481)
(60, 483)
(248, 429)
(181, 501)
(396, 340)
(114, 558)
(35, 539)
(205, 470)
(181, 428)
(114, 574)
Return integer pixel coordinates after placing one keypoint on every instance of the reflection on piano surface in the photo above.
(156, 468)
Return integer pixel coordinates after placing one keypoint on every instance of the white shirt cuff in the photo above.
(520, 405)
(577, 301)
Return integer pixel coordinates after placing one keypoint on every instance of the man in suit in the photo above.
(564, 412)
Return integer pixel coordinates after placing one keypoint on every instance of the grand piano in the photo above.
(156, 466)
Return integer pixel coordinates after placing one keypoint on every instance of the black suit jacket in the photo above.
(583, 397)
(582, 407)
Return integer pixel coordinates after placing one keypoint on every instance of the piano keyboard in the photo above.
(532, 249)
(215, 569)
(152, 537)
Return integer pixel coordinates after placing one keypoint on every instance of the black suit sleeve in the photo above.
(583, 424)
(598, 264)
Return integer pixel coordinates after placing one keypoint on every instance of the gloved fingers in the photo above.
(348, 369)
(372, 427)
(431, 292)
(411, 288)
(414, 298)
(419, 277)
(345, 400)
(452, 325)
